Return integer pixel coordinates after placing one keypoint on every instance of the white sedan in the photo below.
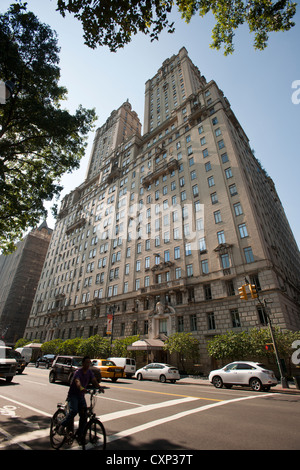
(244, 373)
(158, 371)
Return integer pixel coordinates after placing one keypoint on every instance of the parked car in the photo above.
(108, 369)
(244, 373)
(158, 371)
(8, 364)
(21, 363)
(127, 363)
(45, 360)
(64, 367)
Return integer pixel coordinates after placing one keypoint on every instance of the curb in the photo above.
(277, 389)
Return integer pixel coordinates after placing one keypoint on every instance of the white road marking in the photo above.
(183, 414)
(26, 406)
(38, 434)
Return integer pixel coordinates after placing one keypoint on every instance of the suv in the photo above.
(64, 367)
(8, 364)
(244, 373)
(45, 360)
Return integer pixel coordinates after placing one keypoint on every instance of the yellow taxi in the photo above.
(108, 369)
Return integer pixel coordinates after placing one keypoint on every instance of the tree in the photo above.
(114, 23)
(184, 344)
(119, 346)
(39, 141)
(95, 347)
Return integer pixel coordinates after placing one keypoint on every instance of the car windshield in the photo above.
(77, 361)
(108, 363)
(7, 353)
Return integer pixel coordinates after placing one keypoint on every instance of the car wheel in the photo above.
(217, 382)
(36, 364)
(255, 384)
(162, 379)
(114, 379)
(52, 377)
(139, 377)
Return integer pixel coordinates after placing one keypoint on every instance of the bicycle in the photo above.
(94, 434)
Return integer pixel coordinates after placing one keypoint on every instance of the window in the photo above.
(211, 181)
(249, 255)
(221, 236)
(214, 198)
(243, 231)
(125, 290)
(211, 321)
(225, 261)
(228, 173)
(207, 292)
(224, 158)
(178, 273)
(232, 190)
(195, 190)
(180, 326)
(193, 322)
(177, 252)
(262, 315)
(235, 318)
(189, 270)
(207, 166)
(217, 216)
(204, 266)
(237, 208)
(205, 153)
(221, 144)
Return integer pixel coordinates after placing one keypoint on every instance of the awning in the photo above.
(146, 345)
(33, 345)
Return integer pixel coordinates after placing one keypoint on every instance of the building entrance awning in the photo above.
(146, 345)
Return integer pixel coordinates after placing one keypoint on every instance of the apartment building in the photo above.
(19, 276)
(167, 225)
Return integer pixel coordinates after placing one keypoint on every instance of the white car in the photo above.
(158, 371)
(244, 373)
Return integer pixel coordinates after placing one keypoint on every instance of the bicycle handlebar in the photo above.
(93, 391)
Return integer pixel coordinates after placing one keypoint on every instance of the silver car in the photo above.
(244, 373)
(158, 371)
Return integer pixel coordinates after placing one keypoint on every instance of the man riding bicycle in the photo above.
(76, 398)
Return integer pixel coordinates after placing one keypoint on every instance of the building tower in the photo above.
(168, 225)
(19, 276)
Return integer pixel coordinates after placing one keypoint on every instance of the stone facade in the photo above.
(167, 225)
(19, 277)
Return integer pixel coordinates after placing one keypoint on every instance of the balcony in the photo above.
(161, 169)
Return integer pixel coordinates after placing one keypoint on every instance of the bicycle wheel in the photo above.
(57, 440)
(94, 435)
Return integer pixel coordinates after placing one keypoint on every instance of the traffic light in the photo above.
(243, 293)
(253, 291)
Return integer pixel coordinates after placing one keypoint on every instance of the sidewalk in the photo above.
(193, 380)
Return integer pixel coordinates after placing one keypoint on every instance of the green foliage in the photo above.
(52, 347)
(114, 23)
(39, 141)
(119, 346)
(95, 347)
(185, 345)
(21, 343)
(251, 344)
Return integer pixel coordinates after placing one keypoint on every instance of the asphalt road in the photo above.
(172, 418)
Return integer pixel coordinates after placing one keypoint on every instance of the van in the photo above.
(26, 353)
(8, 364)
(126, 362)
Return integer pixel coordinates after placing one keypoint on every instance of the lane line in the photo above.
(144, 409)
(169, 394)
(26, 406)
(158, 422)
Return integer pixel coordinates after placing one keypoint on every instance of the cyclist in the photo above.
(76, 398)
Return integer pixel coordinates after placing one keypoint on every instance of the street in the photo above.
(154, 416)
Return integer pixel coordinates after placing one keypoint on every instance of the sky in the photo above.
(258, 85)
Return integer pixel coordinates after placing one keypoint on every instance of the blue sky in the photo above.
(257, 84)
